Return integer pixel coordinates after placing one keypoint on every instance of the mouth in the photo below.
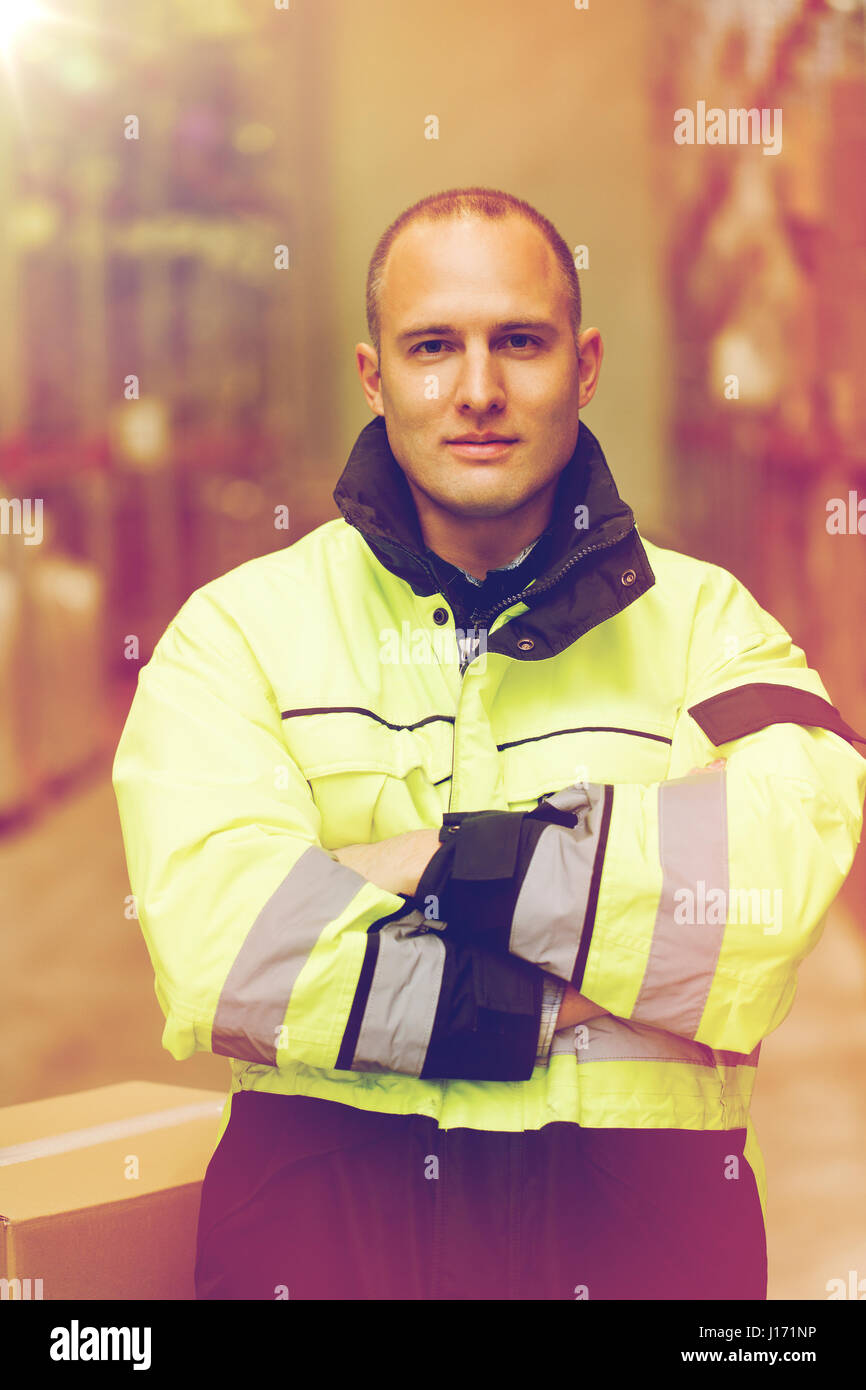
(480, 449)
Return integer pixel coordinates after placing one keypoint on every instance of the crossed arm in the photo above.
(269, 951)
(397, 864)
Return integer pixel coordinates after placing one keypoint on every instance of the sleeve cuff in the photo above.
(488, 1017)
(524, 883)
(473, 880)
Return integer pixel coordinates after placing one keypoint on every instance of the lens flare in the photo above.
(15, 15)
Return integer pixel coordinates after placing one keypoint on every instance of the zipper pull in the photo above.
(469, 647)
(464, 656)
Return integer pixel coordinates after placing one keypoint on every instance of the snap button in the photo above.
(526, 644)
(440, 616)
(628, 578)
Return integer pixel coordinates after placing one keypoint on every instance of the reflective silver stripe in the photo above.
(619, 1040)
(551, 905)
(252, 1005)
(693, 849)
(401, 1006)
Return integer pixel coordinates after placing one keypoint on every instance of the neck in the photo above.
(479, 544)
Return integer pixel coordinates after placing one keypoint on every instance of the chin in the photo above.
(481, 508)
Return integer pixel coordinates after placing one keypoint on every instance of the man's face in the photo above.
(476, 338)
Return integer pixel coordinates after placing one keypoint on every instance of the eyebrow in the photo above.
(444, 330)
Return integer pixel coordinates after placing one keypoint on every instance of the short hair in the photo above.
(467, 202)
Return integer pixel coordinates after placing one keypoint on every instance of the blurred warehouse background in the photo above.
(190, 191)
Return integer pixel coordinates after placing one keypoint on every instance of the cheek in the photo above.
(415, 397)
(553, 387)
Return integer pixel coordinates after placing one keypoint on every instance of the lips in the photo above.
(491, 448)
(482, 439)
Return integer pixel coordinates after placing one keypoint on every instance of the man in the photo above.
(484, 836)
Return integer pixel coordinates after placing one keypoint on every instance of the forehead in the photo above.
(469, 267)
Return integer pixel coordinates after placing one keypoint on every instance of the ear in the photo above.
(367, 362)
(590, 351)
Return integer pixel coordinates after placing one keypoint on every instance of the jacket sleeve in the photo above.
(688, 904)
(264, 947)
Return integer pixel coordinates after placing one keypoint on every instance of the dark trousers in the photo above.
(308, 1199)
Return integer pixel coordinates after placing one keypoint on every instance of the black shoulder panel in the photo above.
(735, 713)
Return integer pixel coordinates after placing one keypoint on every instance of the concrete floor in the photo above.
(83, 1013)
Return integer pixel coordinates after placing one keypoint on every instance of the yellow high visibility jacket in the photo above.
(321, 696)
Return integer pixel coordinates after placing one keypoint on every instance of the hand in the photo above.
(710, 767)
(395, 864)
(576, 1008)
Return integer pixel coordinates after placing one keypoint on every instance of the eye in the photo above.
(525, 340)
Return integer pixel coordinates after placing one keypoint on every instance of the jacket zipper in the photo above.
(506, 603)
(541, 588)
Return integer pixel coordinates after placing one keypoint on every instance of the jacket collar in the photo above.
(591, 572)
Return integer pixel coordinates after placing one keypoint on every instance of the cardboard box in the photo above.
(99, 1191)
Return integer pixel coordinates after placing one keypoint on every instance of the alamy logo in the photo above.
(18, 1289)
(714, 907)
(420, 646)
(75, 1343)
(850, 521)
(736, 126)
(22, 516)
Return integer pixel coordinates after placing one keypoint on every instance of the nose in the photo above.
(480, 387)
